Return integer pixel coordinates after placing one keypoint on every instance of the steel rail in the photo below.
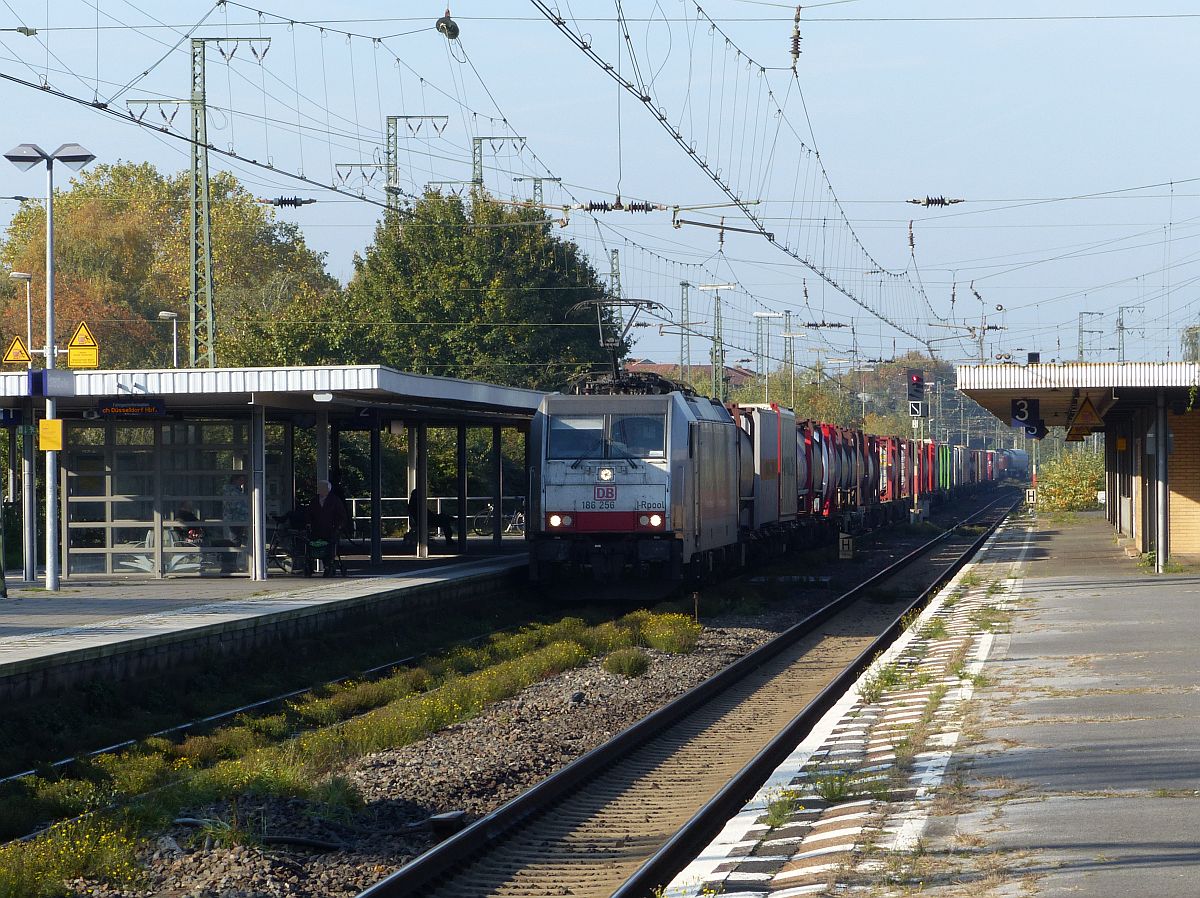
(489, 830)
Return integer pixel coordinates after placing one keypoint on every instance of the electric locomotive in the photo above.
(633, 474)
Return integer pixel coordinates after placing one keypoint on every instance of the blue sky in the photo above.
(1067, 128)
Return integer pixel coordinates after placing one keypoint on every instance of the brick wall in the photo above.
(1183, 478)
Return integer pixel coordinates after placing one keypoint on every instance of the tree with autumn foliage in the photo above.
(121, 250)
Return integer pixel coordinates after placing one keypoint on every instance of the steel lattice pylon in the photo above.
(201, 328)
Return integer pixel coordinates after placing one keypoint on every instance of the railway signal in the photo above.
(916, 385)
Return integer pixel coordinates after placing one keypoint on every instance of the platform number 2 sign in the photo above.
(1025, 412)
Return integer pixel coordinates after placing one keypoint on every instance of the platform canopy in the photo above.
(1061, 389)
(342, 391)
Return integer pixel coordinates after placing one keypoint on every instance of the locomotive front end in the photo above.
(603, 488)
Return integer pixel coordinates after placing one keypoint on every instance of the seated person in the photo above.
(443, 521)
(187, 519)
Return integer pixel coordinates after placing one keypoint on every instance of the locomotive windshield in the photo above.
(640, 436)
(610, 436)
(576, 436)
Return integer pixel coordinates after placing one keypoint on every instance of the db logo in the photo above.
(606, 493)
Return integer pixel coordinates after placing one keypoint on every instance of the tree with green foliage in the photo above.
(461, 288)
(121, 245)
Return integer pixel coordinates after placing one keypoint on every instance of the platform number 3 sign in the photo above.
(1025, 412)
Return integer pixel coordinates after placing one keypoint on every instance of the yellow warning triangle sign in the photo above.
(1086, 416)
(82, 338)
(17, 353)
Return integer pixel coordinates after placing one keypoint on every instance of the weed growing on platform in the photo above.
(872, 687)
(782, 804)
(836, 784)
(629, 662)
(935, 628)
(956, 664)
(917, 736)
(1147, 562)
(970, 580)
(988, 618)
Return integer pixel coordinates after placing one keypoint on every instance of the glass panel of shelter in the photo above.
(164, 498)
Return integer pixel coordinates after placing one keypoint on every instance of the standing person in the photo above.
(436, 521)
(235, 508)
(326, 518)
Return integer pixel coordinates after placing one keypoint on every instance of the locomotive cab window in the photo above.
(576, 436)
(639, 436)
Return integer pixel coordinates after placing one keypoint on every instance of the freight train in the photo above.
(639, 478)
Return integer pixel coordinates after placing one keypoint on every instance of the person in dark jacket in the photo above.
(436, 521)
(326, 518)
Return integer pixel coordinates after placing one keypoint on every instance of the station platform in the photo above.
(1083, 775)
(1062, 746)
(115, 628)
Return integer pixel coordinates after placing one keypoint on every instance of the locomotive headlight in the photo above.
(656, 520)
(556, 520)
(644, 520)
(567, 520)
(605, 474)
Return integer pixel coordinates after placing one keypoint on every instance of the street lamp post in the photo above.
(28, 510)
(172, 317)
(28, 279)
(25, 157)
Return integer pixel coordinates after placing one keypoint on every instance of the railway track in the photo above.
(628, 814)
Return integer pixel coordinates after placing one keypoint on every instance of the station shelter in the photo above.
(152, 458)
(1152, 491)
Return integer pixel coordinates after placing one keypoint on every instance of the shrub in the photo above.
(629, 662)
(674, 633)
(41, 867)
(1070, 482)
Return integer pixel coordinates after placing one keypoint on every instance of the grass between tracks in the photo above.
(289, 754)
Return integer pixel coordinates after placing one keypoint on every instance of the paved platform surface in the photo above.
(100, 614)
(1086, 778)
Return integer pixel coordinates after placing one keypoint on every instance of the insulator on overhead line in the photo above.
(293, 201)
(618, 206)
(935, 201)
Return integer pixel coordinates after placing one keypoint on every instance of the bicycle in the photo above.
(483, 523)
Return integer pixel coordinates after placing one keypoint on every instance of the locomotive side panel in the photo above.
(715, 462)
